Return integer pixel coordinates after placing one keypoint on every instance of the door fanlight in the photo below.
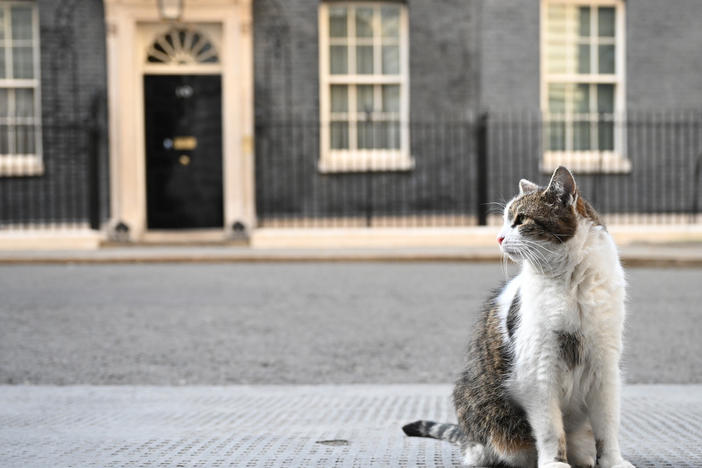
(182, 46)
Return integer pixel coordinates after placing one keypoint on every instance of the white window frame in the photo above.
(13, 164)
(591, 161)
(362, 160)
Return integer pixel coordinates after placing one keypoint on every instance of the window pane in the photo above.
(24, 102)
(4, 141)
(367, 134)
(558, 38)
(340, 135)
(583, 53)
(605, 98)
(581, 98)
(391, 21)
(364, 22)
(605, 22)
(4, 104)
(21, 22)
(364, 99)
(391, 60)
(2, 23)
(556, 58)
(24, 139)
(581, 120)
(386, 135)
(364, 60)
(338, 60)
(378, 135)
(337, 21)
(2, 62)
(339, 98)
(605, 134)
(556, 98)
(581, 134)
(605, 58)
(584, 21)
(22, 62)
(393, 135)
(391, 98)
(556, 134)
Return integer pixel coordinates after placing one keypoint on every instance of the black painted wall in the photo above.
(468, 56)
(73, 99)
(443, 48)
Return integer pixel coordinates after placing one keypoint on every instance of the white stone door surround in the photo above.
(131, 26)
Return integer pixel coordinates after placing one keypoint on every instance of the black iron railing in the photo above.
(639, 168)
(58, 186)
(435, 173)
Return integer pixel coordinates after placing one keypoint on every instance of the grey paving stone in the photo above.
(288, 426)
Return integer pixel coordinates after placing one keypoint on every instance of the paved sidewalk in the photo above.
(674, 254)
(288, 426)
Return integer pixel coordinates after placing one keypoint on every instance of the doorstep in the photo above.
(59, 239)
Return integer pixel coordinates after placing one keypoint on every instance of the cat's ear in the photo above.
(563, 186)
(526, 186)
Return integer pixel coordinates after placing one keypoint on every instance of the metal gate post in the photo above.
(482, 168)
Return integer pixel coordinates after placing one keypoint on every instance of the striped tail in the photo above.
(442, 431)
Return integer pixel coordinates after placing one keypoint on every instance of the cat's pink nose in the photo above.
(500, 239)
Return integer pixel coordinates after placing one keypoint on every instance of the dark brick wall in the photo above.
(443, 58)
(664, 150)
(465, 55)
(443, 88)
(509, 69)
(663, 54)
(73, 97)
(663, 41)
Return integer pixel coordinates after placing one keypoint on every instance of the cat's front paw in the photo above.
(581, 460)
(615, 463)
(554, 464)
(588, 462)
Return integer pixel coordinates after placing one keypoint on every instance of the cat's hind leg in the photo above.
(474, 454)
(478, 455)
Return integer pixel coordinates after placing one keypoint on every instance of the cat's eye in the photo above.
(518, 220)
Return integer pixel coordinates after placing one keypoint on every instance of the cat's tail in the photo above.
(442, 431)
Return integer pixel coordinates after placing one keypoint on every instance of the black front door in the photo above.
(183, 151)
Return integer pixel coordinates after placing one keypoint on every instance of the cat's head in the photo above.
(539, 221)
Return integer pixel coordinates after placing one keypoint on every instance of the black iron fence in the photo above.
(645, 168)
(55, 184)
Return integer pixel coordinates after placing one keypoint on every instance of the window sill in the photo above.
(13, 165)
(365, 161)
(586, 162)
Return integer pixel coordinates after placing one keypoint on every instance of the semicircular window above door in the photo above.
(182, 46)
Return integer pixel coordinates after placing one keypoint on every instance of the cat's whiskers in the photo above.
(535, 260)
(534, 256)
(538, 244)
(521, 249)
(505, 259)
(496, 207)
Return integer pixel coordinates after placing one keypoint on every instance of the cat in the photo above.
(542, 383)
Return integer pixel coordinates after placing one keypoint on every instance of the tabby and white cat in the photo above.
(542, 384)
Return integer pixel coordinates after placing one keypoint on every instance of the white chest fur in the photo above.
(583, 298)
